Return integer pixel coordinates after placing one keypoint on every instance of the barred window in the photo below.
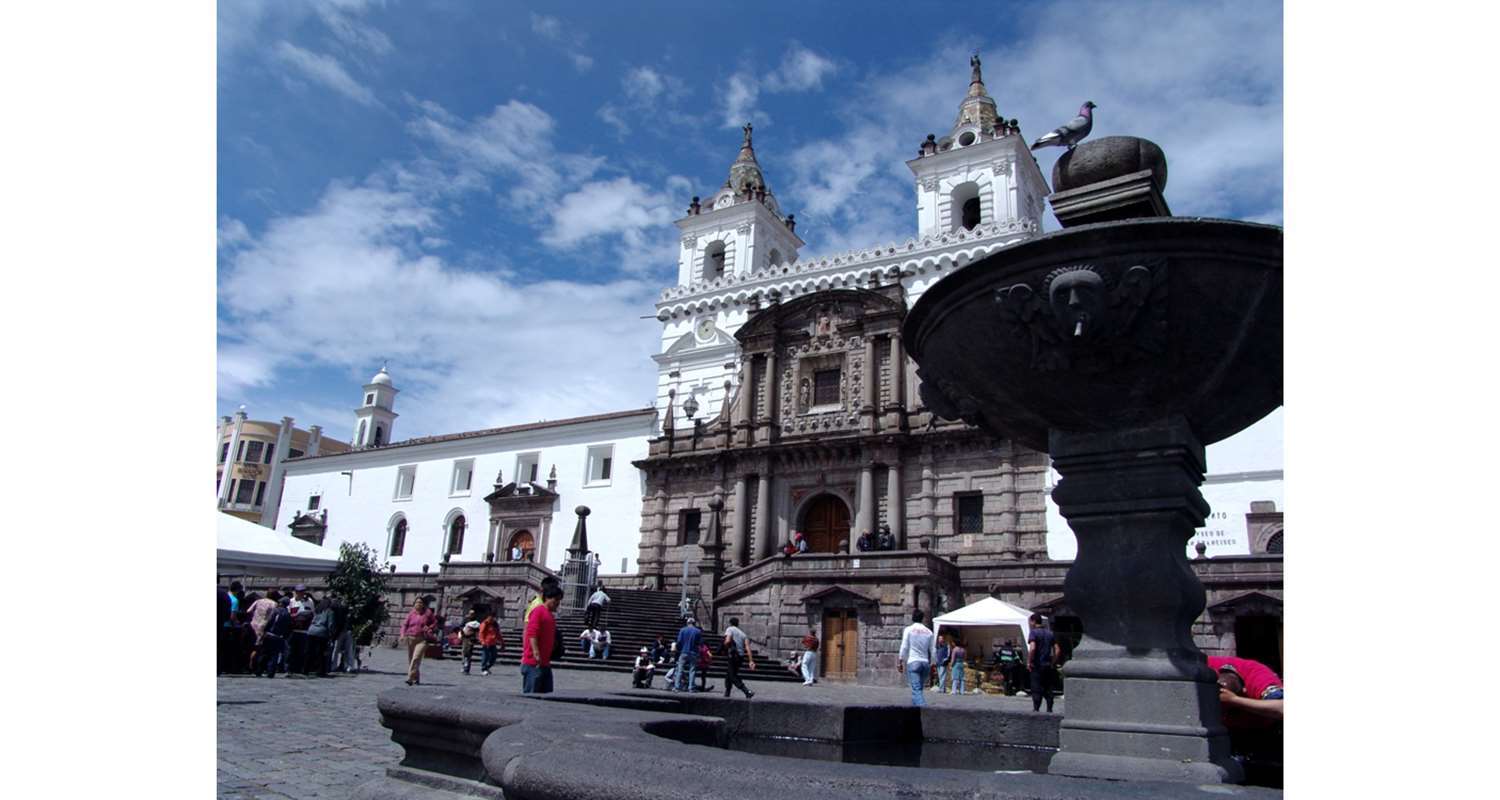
(825, 387)
(968, 508)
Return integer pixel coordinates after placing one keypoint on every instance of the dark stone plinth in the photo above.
(1142, 702)
(1109, 179)
(583, 747)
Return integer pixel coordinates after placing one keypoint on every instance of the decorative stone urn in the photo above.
(1121, 349)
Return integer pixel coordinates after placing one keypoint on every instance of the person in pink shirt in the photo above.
(420, 625)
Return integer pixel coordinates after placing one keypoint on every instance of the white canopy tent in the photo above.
(984, 622)
(246, 548)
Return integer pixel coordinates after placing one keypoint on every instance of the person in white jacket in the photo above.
(918, 650)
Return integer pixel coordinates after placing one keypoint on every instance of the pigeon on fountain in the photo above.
(1070, 134)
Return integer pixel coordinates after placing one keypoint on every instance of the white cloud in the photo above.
(651, 94)
(801, 70)
(325, 70)
(514, 140)
(348, 282)
(340, 20)
(618, 207)
(740, 94)
(570, 42)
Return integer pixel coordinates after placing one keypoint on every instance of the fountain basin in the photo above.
(482, 742)
(1106, 327)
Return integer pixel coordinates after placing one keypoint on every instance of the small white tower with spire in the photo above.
(980, 173)
(739, 229)
(375, 417)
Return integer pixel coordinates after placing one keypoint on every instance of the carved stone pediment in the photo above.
(521, 497)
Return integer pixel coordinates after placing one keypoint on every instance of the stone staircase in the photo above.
(634, 617)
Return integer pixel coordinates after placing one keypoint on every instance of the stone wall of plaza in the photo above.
(779, 599)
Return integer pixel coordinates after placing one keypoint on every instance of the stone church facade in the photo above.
(789, 406)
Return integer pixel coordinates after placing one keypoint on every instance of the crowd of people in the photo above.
(287, 631)
(941, 662)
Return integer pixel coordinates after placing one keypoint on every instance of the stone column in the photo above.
(1142, 703)
(739, 553)
(872, 384)
(929, 500)
(227, 482)
(898, 380)
(764, 546)
(768, 390)
(741, 412)
(895, 507)
(314, 439)
(865, 515)
(273, 483)
(711, 567)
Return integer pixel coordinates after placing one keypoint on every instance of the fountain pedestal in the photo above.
(1142, 703)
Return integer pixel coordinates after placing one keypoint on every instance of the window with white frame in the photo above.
(528, 466)
(244, 492)
(314, 501)
(254, 452)
(600, 464)
(463, 476)
(406, 478)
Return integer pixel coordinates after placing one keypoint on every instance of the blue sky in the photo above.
(482, 193)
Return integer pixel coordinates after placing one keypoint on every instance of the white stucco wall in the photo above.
(361, 505)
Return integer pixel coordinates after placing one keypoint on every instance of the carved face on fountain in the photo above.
(1079, 299)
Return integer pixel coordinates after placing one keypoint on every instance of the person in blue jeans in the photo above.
(688, 640)
(918, 653)
(956, 656)
(940, 665)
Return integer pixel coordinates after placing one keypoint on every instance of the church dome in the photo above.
(382, 377)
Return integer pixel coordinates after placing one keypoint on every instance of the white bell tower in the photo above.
(374, 418)
(980, 173)
(739, 230)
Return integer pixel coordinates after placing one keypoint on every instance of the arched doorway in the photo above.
(825, 523)
(524, 540)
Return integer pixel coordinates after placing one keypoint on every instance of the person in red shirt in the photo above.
(536, 644)
(1250, 699)
(490, 642)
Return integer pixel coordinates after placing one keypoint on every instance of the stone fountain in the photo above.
(1121, 345)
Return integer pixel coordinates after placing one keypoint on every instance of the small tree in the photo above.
(359, 581)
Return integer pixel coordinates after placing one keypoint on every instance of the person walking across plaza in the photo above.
(490, 641)
(918, 653)
(419, 626)
(688, 639)
(597, 601)
(956, 666)
(538, 642)
(1042, 657)
(737, 645)
(810, 658)
(940, 666)
(468, 637)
